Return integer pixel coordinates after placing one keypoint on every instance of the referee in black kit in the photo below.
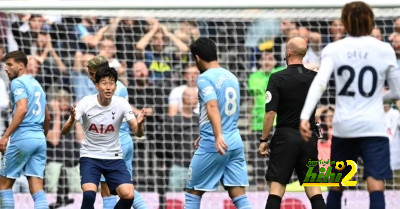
(285, 96)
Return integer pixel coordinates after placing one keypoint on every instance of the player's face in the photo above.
(199, 65)
(92, 75)
(106, 87)
(13, 68)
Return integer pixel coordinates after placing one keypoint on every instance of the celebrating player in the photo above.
(29, 126)
(109, 200)
(220, 154)
(101, 153)
(360, 64)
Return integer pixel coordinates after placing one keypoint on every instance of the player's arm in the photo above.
(20, 112)
(315, 92)
(70, 122)
(135, 123)
(46, 123)
(215, 120)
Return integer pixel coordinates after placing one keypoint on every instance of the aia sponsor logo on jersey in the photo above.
(101, 128)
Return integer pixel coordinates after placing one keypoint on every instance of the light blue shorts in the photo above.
(127, 154)
(207, 169)
(28, 155)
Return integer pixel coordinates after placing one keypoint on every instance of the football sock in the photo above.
(317, 202)
(192, 201)
(273, 202)
(241, 202)
(124, 203)
(376, 200)
(6, 199)
(88, 200)
(138, 202)
(109, 202)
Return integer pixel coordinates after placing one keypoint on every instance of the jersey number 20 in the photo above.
(346, 92)
(230, 101)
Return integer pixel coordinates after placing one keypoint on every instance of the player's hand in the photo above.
(221, 145)
(72, 113)
(263, 149)
(197, 142)
(141, 116)
(3, 144)
(305, 131)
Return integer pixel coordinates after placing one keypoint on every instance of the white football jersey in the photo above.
(360, 66)
(101, 126)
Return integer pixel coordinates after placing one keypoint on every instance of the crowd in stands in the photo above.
(153, 60)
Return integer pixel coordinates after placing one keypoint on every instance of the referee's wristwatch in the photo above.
(263, 140)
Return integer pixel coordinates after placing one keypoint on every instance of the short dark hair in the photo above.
(18, 56)
(358, 18)
(205, 48)
(106, 72)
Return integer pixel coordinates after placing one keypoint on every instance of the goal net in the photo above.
(149, 48)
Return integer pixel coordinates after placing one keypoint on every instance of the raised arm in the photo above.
(136, 124)
(70, 122)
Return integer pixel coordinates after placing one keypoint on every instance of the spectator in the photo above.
(188, 31)
(89, 34)
(280, 41)
(336, 32)
(324, 144)
(51, 66)
(396, 28)
(128, 33)
(396, 46)
(181, 130)
(257, 84)
(26, 30)
(107, 50)
(392, 117)
(159, 61)
(376, 32)
(62, 170)
(82, 85)
(175, 104)
(313, 56)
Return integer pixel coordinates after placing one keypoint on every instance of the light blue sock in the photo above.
(138, 202)
(40, 200)
(241, 202)
(192, 201)
(109, 202)
(6, 199)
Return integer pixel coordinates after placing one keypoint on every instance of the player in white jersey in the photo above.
(109, 201)
(102, 115)
(220, 153)
(360, 64)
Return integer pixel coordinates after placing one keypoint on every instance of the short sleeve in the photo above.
(127, 109)
(393, 71)
(272, 95)
(79, 109)
(18, 90)
(206, 90)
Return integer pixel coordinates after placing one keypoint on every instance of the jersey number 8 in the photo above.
(230, 101)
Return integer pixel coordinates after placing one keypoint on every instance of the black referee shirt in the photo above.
(286, 93)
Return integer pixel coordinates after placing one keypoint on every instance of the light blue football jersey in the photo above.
(26, 87)
(221, 85)
(124, 132)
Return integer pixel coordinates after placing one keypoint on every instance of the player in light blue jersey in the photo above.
(26, 134)
(125, 138)
(220, 153)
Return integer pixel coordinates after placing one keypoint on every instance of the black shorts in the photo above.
(289, 151)
(374, 152)
(114, 171)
